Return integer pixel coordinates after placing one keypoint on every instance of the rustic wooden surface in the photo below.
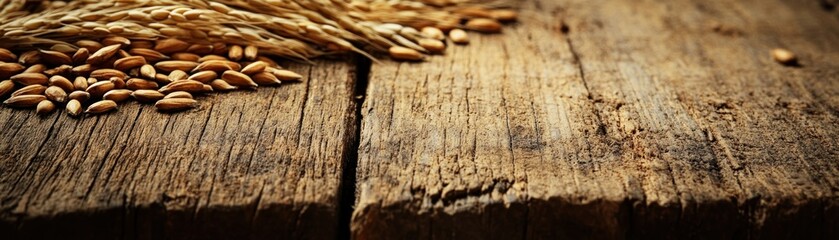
(595, 119)
(243, 165)
(649, 118)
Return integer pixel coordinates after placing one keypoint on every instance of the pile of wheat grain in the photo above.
(147, 48)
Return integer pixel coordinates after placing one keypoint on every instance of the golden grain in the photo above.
(784, 56)
(30, 78)
(171, 45)
(183, 85)
(7, 56)
(74, 108)
(55, 93)
(24, 101)
(185, 56)
(217, 66)
(150, 55)
(107, 73)
(175, 104)
(101, 107)
(30, 90)
(459, 36)
(403, 53)
(203, 76)
(127, 63)
(37, 68)
(6, 86)
(10, 68)
(98, 89)
(266, 78)
(254, 68)
(171, 65)
(117, 95)
(238, 79)
(139, 83)
(81, 55)
(44, 107)
(55, 57)
(432, 45)
(80, 96)
(180, 94)
(235, 53)
(251, 52)
(103, 54)
(146, 95)
(433, 33)
(177, 75)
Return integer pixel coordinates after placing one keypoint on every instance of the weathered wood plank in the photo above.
(642, 121)
(255, 164)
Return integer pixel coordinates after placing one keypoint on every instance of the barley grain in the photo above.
(251, 52)
(30, 78)
(107, 73)
(175, 104)
(7, 56)
(44, 107)
(266, 78)
(55, 57)
(138, 83)
(403, 53)
(81, 55)
(170, 45)
(56, 94)
(459, 36)
(127, 63)
(24, 101)
(10, 68)
(217, 66)
(146, 95)
(254, 67)
(785, 57)
(238, 79)
(235, 52)
(102, 106)
(185, 56)
(30, 90)
(177, 75)
(432, 45)
(191, 86)
(98, 89)
(6, 86)
(80, 83)
(203, 76)
(150, 55)
(103, 54)
(172, 65)
(180, 94)
(74, 108)
(117, 95)
(80, 96)
(62, 82)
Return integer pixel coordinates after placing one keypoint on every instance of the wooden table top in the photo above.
(596, 119)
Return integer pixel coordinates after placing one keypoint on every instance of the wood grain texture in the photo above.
(247, 164)
(646, 119)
